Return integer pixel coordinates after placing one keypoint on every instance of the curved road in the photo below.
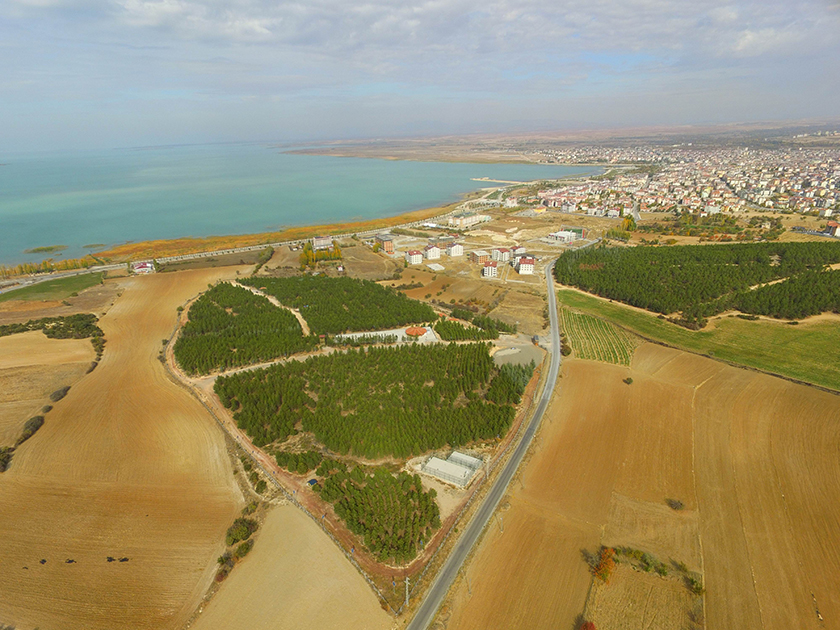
(426, 613)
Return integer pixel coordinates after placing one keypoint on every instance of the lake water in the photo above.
(116, 196)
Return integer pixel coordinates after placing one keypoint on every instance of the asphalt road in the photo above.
(434, 597)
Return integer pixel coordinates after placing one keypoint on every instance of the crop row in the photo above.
(593, 338)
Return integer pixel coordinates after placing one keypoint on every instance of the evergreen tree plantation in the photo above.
(381, 401)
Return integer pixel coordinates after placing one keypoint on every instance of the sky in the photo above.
(109, 73)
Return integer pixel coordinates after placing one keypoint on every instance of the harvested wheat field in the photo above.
(33, 366)
(754, 462)
(295, 579)
(128, 466)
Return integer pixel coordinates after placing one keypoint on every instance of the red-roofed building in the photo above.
(490, 269)
(413, 257)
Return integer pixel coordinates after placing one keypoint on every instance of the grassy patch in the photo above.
(809, 353)
(57, 289)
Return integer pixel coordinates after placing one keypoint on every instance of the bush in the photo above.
(29, 429)
(675, 504)
(694, 585)
(261, 486)
(243, 549)
(46, 408)
(628, 380)
(250, 508)
(605, 565)
(59, 393)
(5, 457)
(241, 529)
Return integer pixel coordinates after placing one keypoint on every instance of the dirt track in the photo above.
(753, 458)
(128, 465)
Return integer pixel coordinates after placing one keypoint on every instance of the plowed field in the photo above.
(753, 458)
(295, 579)
(31, 368)
(128, 465)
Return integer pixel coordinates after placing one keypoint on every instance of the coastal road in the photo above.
(426, 613)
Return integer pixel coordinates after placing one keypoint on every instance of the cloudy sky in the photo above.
(102, 73)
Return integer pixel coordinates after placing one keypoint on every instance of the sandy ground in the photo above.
(754, 459)
(294, 579)
(31, 368)
(127, 465)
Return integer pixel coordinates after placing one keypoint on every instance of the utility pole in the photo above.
(406, 591)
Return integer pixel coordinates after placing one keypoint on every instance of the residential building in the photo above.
(455, 249)
(525, 267)
(386, 242)
(490, 269)
(479, 256)
(467, 220)
(500, 254)
(413, 257)
(431, 252)
(321, 242)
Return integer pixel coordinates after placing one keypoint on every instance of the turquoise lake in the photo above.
(111, 197)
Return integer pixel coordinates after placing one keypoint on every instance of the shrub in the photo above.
(5, 457)
(243, 549)
(675, 504)
(29, 429)
(694, 585)
(587, 625)
(250, 508)
(59, 393)
(241, 529)
(46, 408)
(628, 380)
(605, 565)
(261, 486)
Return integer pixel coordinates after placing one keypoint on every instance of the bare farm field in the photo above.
(31, 368)
(720, 474)
(295, 579)
(113, 514)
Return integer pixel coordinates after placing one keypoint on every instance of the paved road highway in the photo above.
(434, 598)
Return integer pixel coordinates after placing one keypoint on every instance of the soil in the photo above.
(294, 578)
(753, 459)
(128, 465)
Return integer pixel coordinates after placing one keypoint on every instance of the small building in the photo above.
(413, 257)
(500, 254)
(458, 469)
(479, 256)
(455, 249)
(826, 212)
(431, 252)
(833, 228)
(525, 267)
(321, 242)
(490, 269)
(145, 266)
(386, 242)
(564, 236)
(518, 251)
